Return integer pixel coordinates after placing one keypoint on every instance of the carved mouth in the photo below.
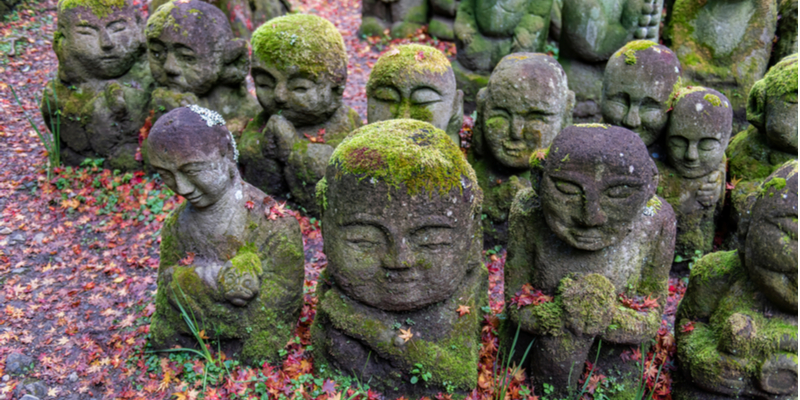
(514, 149)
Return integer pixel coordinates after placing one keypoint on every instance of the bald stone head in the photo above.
(637, 84)
(772, 105)
(524, 106)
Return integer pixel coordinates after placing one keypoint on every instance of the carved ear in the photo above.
(756, 104)
(477, 130)
(235, 62)
(456, 118)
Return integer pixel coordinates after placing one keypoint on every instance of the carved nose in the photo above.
(105, 41)
(517, 128)
(171, 65)
(593, 214)
(280, 93)
(691, 152)
(401, 258)
(632, 119)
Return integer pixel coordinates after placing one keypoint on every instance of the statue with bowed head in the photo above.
(769, 141)
(405, 282)
(638, 83)
(522, 109)
(243, 15)
(591, 32)
(195, 59)
(693, 179)
(593, 230)
(229, 256)
(300, 72)
(103, 85)
(737, 324)
(416, 81)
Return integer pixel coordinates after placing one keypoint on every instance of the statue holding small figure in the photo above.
(230, 256)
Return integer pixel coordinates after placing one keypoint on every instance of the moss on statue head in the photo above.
(309, 42)
(100, 8)
(406, 153)
(407, 59)
(631, 48)
(781, 79)
(161, 18)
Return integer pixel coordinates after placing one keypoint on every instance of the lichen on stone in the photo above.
(592, 125)
(714, 100)
(629, 50)
(100, 8)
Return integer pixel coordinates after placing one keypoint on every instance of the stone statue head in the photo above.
(239, 280)
(415, 81)
(194, 153)
(524, 106)
(699, 129)
(192, 49)
(97, 40)
(770, 253)
(299, 68)
(772, 105)
(401, 215)
(498, 18)
(596, 182)
(637, 84)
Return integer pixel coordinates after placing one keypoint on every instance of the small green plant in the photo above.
(502, 382)
(51, 141)
(698, 254)
(419, 372)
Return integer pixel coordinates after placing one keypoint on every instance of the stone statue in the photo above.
(416, 81)
(402, 293)
(693, 180)
(401, 17)
(443, 17)
(521, 110)
(770, 140)
(591, 31)
(229, 255)
(244, 15)
(724, 44)
(195, 59)
(103, 85)
(737, 324)
(488, 30)
(300, 71)
(786, 31)
(637, 84)
(592, 230)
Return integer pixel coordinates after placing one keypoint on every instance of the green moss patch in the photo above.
(629, 50)
(714, 100)
(782, 78)
(592, 125)
(160, 19)
(100, 8)
(406, 60)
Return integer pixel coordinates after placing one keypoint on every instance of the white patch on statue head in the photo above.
(239, 195)
(630, 169)
(677, 70)
(449, 213)
(698, 107)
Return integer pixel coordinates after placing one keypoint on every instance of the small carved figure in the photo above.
(524, 106)
(637, 84)
(300, 71)
(100, 98)
(195, 59)
(243, 15)
(737, 324)
(488, 30)
(693, 181)
(229, 255)
(404, 284)
(416, 81)
(401, 17)
(592, 238)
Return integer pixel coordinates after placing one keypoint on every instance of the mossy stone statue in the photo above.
(638, 83)
(693, 178)
(737, 324)
(103, 85)
(525, 105)
(769, 141)
(416, 81)
(786, 32)
(244, 16)
(238, 270)
(724, 45)
(591, 230)
(195, 59)
(401, 17)
(443, 17)
(487, 31)
(591, 31)
(401, 220)
(300, 71)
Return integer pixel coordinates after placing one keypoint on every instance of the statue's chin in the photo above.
(238, 300)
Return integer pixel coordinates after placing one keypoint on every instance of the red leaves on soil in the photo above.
(639, 303)
(529, 296)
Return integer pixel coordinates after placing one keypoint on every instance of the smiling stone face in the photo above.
(523, 108)
(97, 40)
(598, 183)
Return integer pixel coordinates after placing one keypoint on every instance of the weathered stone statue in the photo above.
(488, 30)
(693, 180)
(637, 84)
(195, 59)
(593, 231)
(524, 106)
(786, 31)
(591, 31)
(416, 81)
(443, 17)
(402, 293)
(737, 324)
(401, 17)
(228, 256)
(300, 71)
(724, 44)
(244, 15)
(103, 85)
(770, 140)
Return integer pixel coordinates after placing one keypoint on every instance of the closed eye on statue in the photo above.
(196, 167)
(649, 103)
(300, 85)
(621, 99)
(622, 191)
(263, 79)
(385, 93)
(185, 53)
(363, 236)
(567, 187)
(538, 115)
(709, 144)
(786, 223)
(86, 29)
(433, 237)
(677, 141)
(424, 95)
(117, 26)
